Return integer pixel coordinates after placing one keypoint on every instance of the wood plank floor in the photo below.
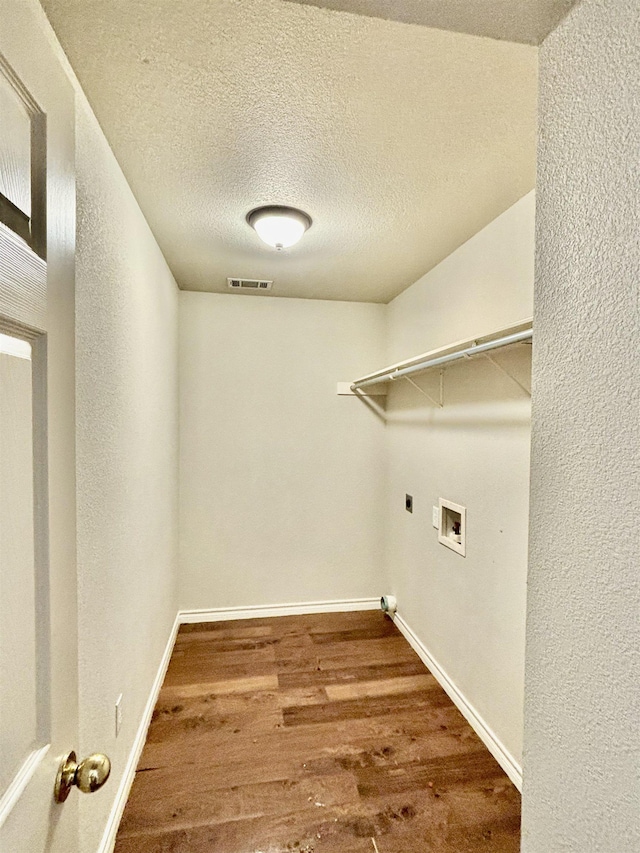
(312, 734)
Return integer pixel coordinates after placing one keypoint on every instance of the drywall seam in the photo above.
(111, 829)
(221, 614)
(475, 720)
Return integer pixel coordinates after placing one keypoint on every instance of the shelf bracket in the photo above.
(507, 373)
(425, 393)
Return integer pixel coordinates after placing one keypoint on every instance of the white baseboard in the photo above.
(484, 732)
(220, 614)
(109, 837)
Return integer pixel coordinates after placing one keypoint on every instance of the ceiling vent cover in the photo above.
(249, 284)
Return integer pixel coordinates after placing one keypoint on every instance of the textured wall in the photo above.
(127, 458)
(281, 479)
(582, 747)
(469, 612)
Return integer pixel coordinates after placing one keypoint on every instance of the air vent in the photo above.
(249, 284)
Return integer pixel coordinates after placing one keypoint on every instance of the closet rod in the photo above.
(468, 352)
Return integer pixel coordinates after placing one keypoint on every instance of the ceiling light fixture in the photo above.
(279, 226)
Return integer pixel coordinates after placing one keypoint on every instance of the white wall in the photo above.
(582, 742)
(127, 458)
(468, 612)
(281, 480)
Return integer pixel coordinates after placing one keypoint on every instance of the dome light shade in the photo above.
(278, 226)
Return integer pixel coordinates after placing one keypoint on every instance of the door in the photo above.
(38, 619)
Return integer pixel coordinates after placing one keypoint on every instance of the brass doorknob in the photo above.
(88, 775)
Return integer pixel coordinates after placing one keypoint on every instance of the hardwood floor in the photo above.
(312, 734)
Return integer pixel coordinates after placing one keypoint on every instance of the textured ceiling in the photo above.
(527, 21)
(400, 141)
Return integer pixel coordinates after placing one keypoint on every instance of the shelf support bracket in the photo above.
(507, 373)
(425, 393)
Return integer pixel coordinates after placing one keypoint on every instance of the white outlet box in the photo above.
(452, 530)
(435, 517)
(118, 714)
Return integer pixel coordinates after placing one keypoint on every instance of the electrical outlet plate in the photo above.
(452, 531)
(118, 714)
(435, 516)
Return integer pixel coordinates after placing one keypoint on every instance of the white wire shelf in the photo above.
(509, 336)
